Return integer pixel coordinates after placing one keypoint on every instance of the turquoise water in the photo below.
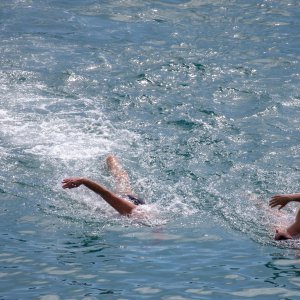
(200, 100)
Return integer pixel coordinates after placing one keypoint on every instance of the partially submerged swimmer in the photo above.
(124, 204)
(292, 231)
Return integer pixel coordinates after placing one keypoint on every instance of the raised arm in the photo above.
(122, 206)
(283, 200)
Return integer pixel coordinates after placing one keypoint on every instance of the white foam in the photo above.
(65, 136)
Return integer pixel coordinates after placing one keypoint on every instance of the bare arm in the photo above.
(283, 200)
(122, 206)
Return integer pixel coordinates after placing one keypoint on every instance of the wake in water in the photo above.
(123, 200)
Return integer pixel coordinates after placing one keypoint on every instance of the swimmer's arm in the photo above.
(122, 206)
(283, 200)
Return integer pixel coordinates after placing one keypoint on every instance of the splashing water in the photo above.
(201, 128)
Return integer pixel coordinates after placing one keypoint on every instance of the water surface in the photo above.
(199, 99)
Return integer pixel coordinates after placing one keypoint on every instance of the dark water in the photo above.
(200, 101)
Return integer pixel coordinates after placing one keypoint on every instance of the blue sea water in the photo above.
(199, 99)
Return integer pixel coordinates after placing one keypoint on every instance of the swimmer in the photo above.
(124, 204)
(292, 231)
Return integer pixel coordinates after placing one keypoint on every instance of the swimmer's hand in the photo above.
(280, 200)
(70, 183)
(282, 235)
